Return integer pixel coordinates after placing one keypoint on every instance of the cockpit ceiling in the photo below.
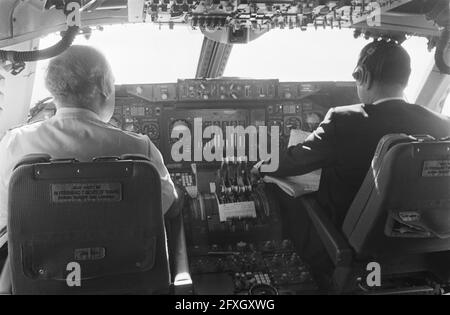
(91, 5)
(24, 20)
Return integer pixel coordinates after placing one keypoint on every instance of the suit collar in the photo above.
(387, 99)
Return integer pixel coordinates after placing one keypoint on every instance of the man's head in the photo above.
(382, 71)
(81, 77)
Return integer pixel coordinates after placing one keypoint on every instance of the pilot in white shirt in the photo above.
(82, 85)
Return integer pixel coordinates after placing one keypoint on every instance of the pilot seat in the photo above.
(92, 228)
(399, 220)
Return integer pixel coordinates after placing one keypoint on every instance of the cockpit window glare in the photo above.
(138, 53)
(316, 55)
(142, 53)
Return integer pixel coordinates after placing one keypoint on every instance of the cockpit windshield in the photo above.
(316, 55)
(138, 53)
(143, 53)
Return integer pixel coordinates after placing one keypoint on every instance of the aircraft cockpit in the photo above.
(218, 86)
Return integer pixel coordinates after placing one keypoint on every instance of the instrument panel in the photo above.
(247, 251)
(138, 115)
(163, 110)
(158, 110)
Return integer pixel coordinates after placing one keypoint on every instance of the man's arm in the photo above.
(168, 192)
(316, 152)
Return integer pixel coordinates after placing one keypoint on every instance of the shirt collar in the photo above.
(76, 112)
(388, 99)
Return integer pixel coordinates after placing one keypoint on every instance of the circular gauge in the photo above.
(313, 120)
(151, 130)
(179, 128)
(292, 123)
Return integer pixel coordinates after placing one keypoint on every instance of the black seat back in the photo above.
(403, 206)
(104, 216)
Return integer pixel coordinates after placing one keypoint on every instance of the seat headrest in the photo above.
(46, 158)
(422, 208)
(403, 204)
(33, 159)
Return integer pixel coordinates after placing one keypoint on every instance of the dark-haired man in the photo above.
(345, 142)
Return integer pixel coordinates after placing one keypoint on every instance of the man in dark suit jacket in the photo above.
(345, 142)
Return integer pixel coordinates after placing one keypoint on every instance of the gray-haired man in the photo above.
(82, 83)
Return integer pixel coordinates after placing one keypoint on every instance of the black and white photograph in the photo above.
(224, 155)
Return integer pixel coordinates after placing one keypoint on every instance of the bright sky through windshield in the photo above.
(138, 53)
(316, 55)
(142, 53)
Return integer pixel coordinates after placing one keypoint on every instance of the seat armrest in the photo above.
(5, 279)
(3, 237)
(181, 277)
(337, 247)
